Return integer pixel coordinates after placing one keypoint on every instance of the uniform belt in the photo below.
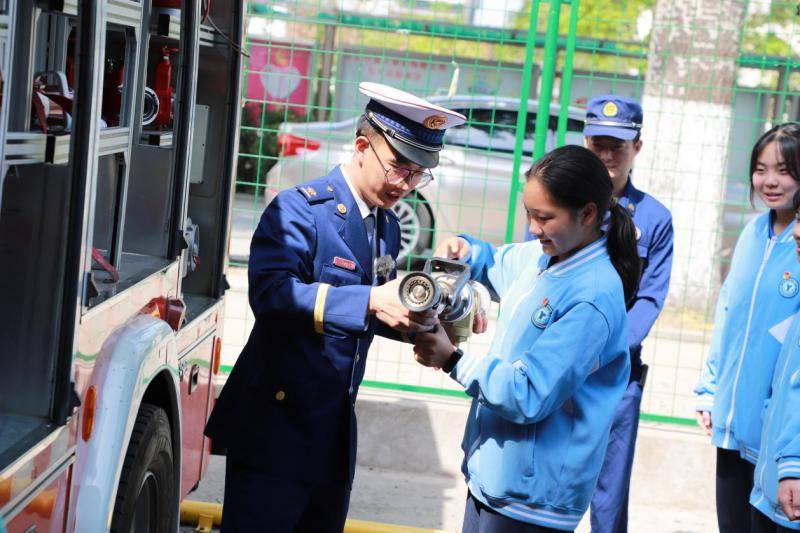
(638, 369)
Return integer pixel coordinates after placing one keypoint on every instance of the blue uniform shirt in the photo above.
(654, 241)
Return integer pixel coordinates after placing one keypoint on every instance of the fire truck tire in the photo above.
(145, 495)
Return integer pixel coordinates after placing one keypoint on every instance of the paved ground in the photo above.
(438, 502)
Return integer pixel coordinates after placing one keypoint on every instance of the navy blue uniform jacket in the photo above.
(288, 405)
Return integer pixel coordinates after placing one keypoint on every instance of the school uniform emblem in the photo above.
(541, 317)
(789, 287)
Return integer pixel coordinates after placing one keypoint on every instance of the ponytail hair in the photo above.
(574, 177)
(621, 244)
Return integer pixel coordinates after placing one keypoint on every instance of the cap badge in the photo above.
(788, 287)
(610, 109)
(342, 209)
(310, 191)
(435, 122)
(542, 315)
(330, 189)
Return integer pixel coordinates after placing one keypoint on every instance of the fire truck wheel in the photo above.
(145, 496)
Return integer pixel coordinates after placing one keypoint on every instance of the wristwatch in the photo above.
(451, 363)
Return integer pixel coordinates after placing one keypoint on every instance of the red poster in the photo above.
(278, 75)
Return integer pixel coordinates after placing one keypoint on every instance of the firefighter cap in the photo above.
(412, 126)
(611, 115)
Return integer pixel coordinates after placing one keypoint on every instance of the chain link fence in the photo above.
(711, 75)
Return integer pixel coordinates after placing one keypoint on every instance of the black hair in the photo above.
(788, 138)
(574, 177)
(365, 129)
(796, 201)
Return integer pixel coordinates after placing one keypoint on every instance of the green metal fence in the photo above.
(711, 75)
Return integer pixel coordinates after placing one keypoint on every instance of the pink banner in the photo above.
(278, 76)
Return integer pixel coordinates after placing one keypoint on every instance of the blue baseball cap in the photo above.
(609, 115)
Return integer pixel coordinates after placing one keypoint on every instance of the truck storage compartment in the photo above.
(33, 222)
(211, 170)
(35, 216)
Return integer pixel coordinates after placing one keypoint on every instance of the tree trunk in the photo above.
(688, 112)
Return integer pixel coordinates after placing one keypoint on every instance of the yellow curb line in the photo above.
(206, 515)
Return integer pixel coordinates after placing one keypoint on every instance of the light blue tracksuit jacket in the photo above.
(780, 439)
(545, 394)
(759, 294)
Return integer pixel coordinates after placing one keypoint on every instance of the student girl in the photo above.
(776, 486)
(545, 394)
(759, 295)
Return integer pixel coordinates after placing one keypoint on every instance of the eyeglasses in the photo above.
(416, 179)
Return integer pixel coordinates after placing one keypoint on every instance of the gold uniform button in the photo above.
(342, 209)
(280, 395)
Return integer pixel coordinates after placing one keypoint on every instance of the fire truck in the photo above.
(118, 139)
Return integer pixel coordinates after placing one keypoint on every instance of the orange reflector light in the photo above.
(217, 355)
(89, 402)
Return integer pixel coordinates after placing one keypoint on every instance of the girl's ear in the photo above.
(589, 214)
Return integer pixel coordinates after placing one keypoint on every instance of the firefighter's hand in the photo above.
(704, 421)
(480, 322)
(789, 497)
(385, 304)
(433, 348)
(453, 248)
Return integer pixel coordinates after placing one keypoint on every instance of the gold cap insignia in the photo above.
(310, 191)
(610, 109)
(342, 209)
(330, 189)
(435, 122)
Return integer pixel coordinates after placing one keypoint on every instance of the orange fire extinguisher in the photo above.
(163, 88)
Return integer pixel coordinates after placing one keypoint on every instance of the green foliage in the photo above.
(762, 34)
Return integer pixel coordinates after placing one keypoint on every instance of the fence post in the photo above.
(566, 73)
(548, 73)
(522, 119)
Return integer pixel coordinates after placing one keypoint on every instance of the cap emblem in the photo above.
(435, 122)
(610, 109)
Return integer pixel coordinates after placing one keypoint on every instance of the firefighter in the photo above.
(321, 284)
(613, 133)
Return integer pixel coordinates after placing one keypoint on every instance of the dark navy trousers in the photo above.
(478, 518)
(255, 501)
(609, 509)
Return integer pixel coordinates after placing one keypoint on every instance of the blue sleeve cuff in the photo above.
(705, 402)
(789, 467)
(464, 370)
(341, 310)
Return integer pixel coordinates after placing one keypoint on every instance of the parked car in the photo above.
(471, 186)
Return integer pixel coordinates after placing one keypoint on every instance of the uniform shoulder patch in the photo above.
(315, 192)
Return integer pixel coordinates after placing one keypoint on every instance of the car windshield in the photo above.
(495, 130)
